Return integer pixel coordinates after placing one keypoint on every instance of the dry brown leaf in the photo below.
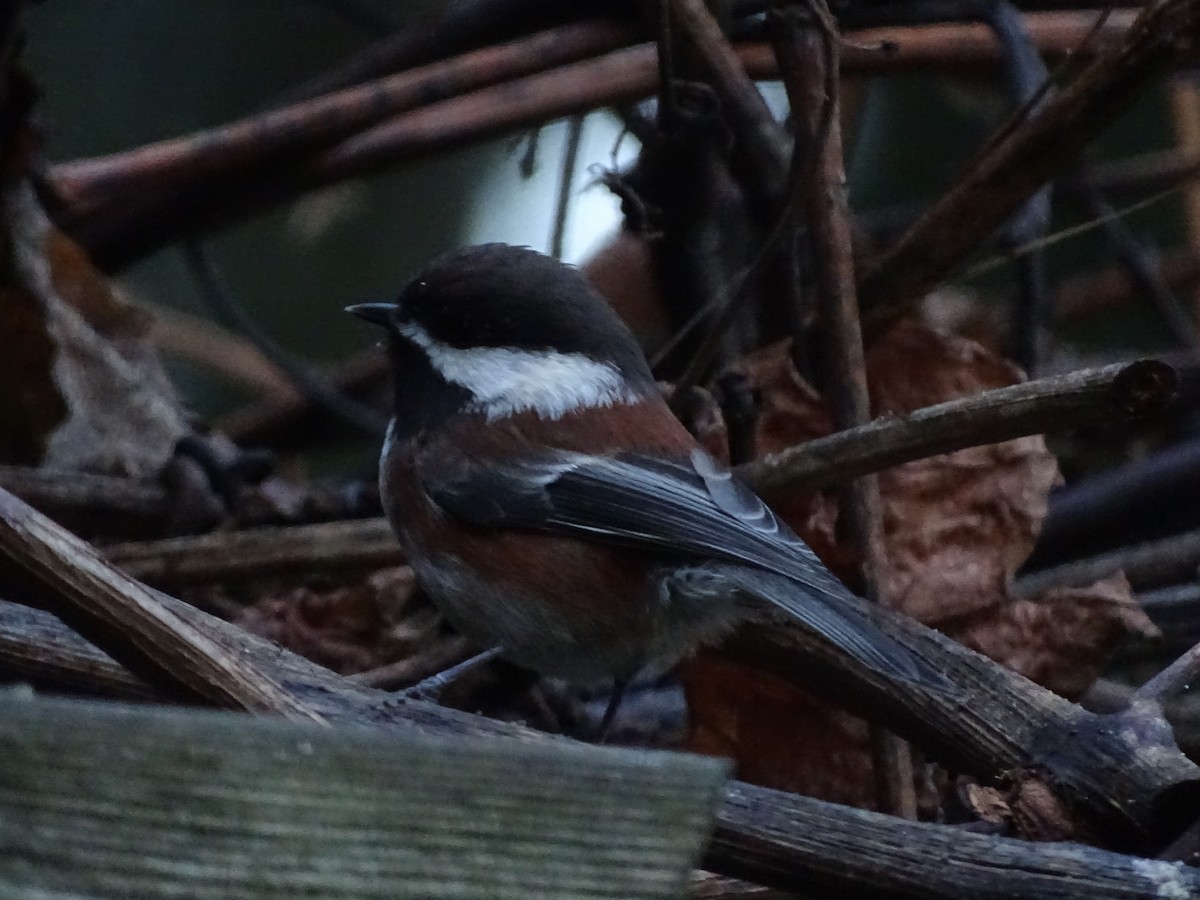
(1061, 638)
(780, 735)
(957, 527)
(29, 415)
(1038, 813)
(988, 804)
(94, 395)
(348, 629)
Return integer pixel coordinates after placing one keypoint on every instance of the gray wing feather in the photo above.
(694, 509)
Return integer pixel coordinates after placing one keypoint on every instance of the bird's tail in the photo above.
(844, 620)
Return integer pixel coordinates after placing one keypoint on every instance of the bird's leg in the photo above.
(430, 689)
(610, 712)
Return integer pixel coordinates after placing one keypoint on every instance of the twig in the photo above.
(1165, 561)
(1112, 287)
(1150, 171)
(681, 195)
(116, 507)
(668, 103)
(119, 237)
(981, 722)
(562, 207)
(405, 672)
(1064, 234)
(939, 720)
(182, 651)
(810, 61)
(1175, 678)
(93, 596)
(1117, 392)
(434, 686)
(36, 647)
(1146, 277)
(1070, 62)
(968, 47)
(789, 841)
(724, 307)
(469, 24)
(756, 133)
(83, 500)
(1178, 676)
(265, 137)
(1030, 85)
(317, 388)
(1107, 696)
(228, 555)
(1021, 238)
(779, 839)
(1012, 171)
(1145, 498)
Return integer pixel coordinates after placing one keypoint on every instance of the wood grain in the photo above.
(102, 800)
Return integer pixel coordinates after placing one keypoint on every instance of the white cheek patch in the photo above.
(504, 381)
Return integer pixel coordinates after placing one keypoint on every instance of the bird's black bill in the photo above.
(375, 313)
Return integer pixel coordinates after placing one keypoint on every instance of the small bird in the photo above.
(551, 504)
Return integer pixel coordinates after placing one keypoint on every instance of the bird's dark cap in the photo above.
(513, 298)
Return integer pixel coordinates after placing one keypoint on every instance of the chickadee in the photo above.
(549, 502)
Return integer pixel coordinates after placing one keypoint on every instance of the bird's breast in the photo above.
(564, 606)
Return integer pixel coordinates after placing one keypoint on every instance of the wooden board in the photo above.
(107, 800)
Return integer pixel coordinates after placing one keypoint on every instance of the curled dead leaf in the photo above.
(988, 804)
(1037, 813)
(1061, 638)
(94, 395)
(351, 628)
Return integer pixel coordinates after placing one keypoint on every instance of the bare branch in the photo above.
(1111, 393)
(812, 84)
(225, 555)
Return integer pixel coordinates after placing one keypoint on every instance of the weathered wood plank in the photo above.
(105, 800)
